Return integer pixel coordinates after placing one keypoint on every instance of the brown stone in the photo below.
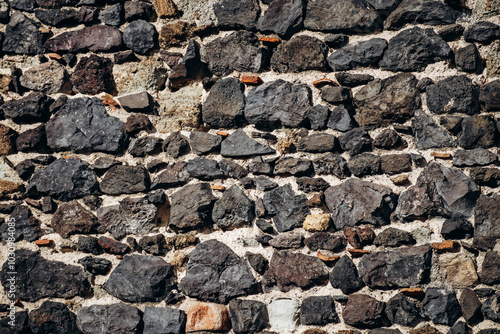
(44, 243)
(137, 123)
(222, 133)
(166, 8)
(112, 246)
(324, 82)
(446, 246)
(413, 292)
(97, 38)
(10, 183)
(207, 317)
(315, 201)
(327, 257)
(358, 252)
(401, 180)
(5, 81)
(363, 311)
(251, 80)
(72, 218)
(94, 75)
(175, 33)
(427, 329)
(395, 163)
(7, 140)
(217, 187)
(441, 155)
(359, 236)
(459, 270)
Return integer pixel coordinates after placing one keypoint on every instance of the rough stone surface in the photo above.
(441, 306)
(234, 209)
(139, 36)
(22, 36)
(48, 78)
(300, 53)
(491, 268)
(422, 12)
(93, 75)
(474, 157)
(428, 134)
(453, 94)
(288, 209)
(357, 55)
(355, 141)
(125, 180)
(32, 108)
(363, 311)
(344, 276)
(191, 207)
(283, 314)
(113, 318)
(404, 310)
(239, 145)
(490, 308)
(224, 105)
(73, 218)
(236, 14)
(489, 97)
(282, 17)
(478, 131)
(318, 310)
(99, 38)
(248, 316)
(52, 316)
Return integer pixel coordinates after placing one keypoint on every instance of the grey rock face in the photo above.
(349, 16)
(300, 53)
(113, 15)
(457, 228)
(225, 103)
(26, 226)
(355, 141)
(491, 268)
(318, 143)
(441, 306)
(288, 210)
(336, 95)
(176, 144)
(215, 273)
(486, 222)
(67, 16)
(482, 32)
(344, 276)
(428, 134)
(53, 317)
(421, 12)
(32, 108)
(393, 237)
(474, 157)
(413, 49)
(364, 164)
(234, 209)
(340, 119)
(125, 180)
(357, 202)
(239, 145)
(331, 164)
(282, 17)
(326, 241)
(239, 51)
(203, 143)
(292, 166)
(318, 310)
(318, 116)
(95, 265)
(109, 319)
(478, 131)
(141, 278)
(204, 169)
(22, 36)
(357, 55)
(382, 102)
(97, 38)
(83, 125)
(453, 94)
(403, 267)
(164, 320)
(489, 96)
(64, 179)
(48, 78)
(137, 102)
(404, 311)
(191, 207)
(139, 36)
(467, 59)
(145, 146)
(237, 13)
(248, 316)
(490, 308)
(39, 278)
(439, 191)
(278, 102)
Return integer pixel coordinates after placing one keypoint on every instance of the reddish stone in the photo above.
(98, 38)
(112, 246)
(94, 75)
(207, 317)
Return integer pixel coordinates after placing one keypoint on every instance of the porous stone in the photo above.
(393, 237)
(96, 38)
(413, 49)
(355, 141)
(331, 164)
(467, 59)
(485, 176)
(145, 146)
(22, 36)
(150, 73)
(361, 54)
(345, 277)
(135, 10)
(441, 306)
(283, 314)
(459, 270)
(286, 241)
(282, 17)
(490, 308)
(125, 180)
(23, 226)
(240, 145)
(8, 137)
(453, 94)
(191, 207)
(300, 53)
(72, 218)
(357, 202)
(89, 245)
(39, 278)
(225, 103)
(48, 78)
(363, 311)
(112, 319)
(489, 96)
(215, 273)
(364, 164)
(292, 166)
(32, 108)
(237, 14)
(234, 209)
(482, 32)
(353, 79)
(248, 316)
(404, 310)
(154, 244)
(257, 261)
(478, 131)
(139, 36)
(176, 144)
(382, 102)
(326, 241)
(95, 265)
(93, 75)
(278, 102)
(52, 316)
(163, 320)
(491, 268)
(141, 278)
(318, 310)
(288, 209)
(428, 134)
(395, 163)
(175, 34)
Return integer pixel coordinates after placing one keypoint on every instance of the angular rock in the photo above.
(486, 222)
(137, 102)
(246, 55)
(491, 268)
(204, 169)
(8, 138)
(451, 32)
(331, 164)
(490, 308)
(474, 157)
(441, 306)
(364, 164)
(459, 270)
(191, 207)
(363, 311)
(282, 17)
(139, 279)
(453, 94)
(139, 36)
(125, 180)
(225, 103)
(26, 226)
(22, 36)
(404, 310)
(66, 17)
(361, 54)
(114, 247)
(393, 237)
(53, 317)
(95, 265)
(353, 80)
(318, 116)
(413, 49)
(402, 267)
(318, 310)
(478, 131)
(421, 12)
(48, 78)
(39, 278)
(145, 146)
(164, 320)
(94, 75)
(112, 15)
(154, 244)
(357, 202)
(72, 218)
(283, 314)
(350, 16)
(89, 245)
(340, 119)
(31, 140)
(395, 163)
(258, 262)
(234, 209)
(309, 184)
(382, 102)
(483, 32)
(204, 143)
(293, 166)
(237, 14)
(289, 270)
(175, 33)
(248, 316)
(288, 210)
(215, 273)
(344, 276)
(300, 53)
(207, 317)
(485, 176)
(428, 134)
(136, 124)
(176, 144)
(326, 241)
(489, 96)
(32, 108)
(174, 174)
(151, 74)
(109, 319)
(467, 59)
(286, 241)
(239, 145)
(457, 228)
(355, 141)
(64, 179)
(96, 38)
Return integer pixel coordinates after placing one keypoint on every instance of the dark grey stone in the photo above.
(123, 179)
(53, 317)
(22, 36)
(145, 146)
(355, 141)
(491, 268)
(282, 17)
(135, 10)
(288, 209)
(318, 310)
(204, 169)
(404, 311)
(32, 108)
(137, 102)
(95, 265)
(309, 184)
(453, 94)
(457, 228)
(353, 79)
(112, 15)
(191, 207)
(237, 13)
(234, 209)
(318, 116)
(139, 36)
(109, 319)
(248, 316)
(335, 94)
(239, 145)
(225, 103)
(318, 143)
(428, 134)
(26, 225)
(483, 32)
(490, 308)
(176, 144)
(489, 96)
(467, 59)
(300, 53)
(478, 131)
(487, 222)
(363, 311)
(204, 143)
(344, 276)
(361, 54)
(474, 157)
(257, 261)
(364, 164)
(331, 163)
(340, 119)
(393, 237)
(471, 306)
(441, 306)
(163, 320)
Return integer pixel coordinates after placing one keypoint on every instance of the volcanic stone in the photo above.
(8, 140)
(293, 166)
(234, 209)
(72, 218)
(490, 308)
(471, 306)
(139, 36)
(32, 108)
(483, 32)
(95, 265)
(163, 320)
(176, 144)
(225, 103)
(326, 241)
(173, 175)
(31, 140)
(363, 311)
(66, 17)
(204, 169)
(355, 141)
(154, 244)
(237, 13)
(357, 55)
(309, 184)
(478, 131)
(191, 207)
(486, 222)
(258, 262)
(489, 96)
(318, 310)
(26, 226)
(467, 59)
(474, 157)
(137, 102)
(344, 276)
(109, 319)
(453, 94)
(451, 32)
(393, 237)
(491, 268)
(96, 38)
(135, 10)
(288, 210)
(340, 119)
(331, 164)
(53, 317)
(364, 164)
(125, 180)
(404, 310)
(48, 78)
(457, 228)
(395, 163)
(204, 143)
(89, 245)
(441, 306)
(318, 116)
(300, 53)
(428, 134)
(22, 36)
(145, 146)
(485, 176)
(113, 15)
(282, 17)
(94, 75)
(239, 145)
(352, 79)
(248, 316)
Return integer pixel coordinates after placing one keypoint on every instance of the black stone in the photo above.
(22, 36)
(453, 94)
(26, 225)
(282, 17)
(318, 116)
(300, 53)
(451, 32)
(482, 32)
(288, 209)
(258, 262)
(326, 241)
(234, 209)
(467, 59)
(457, 228)
(441, 306)
(248, 316)
(393, 237)
(318, 310)
(113, 15)
(237, 13)
(344, 276)
(428, 134)
(355, 141)
(404, 310)
(140, 36)
(176, 145)
(95, 265)
(53, 317)
(32, 108)
(361, 54)
(489, 96)
(89, 245)
(191, 207)
(125, 180)
(352, 79)
(491, 268)
(225, 103)
(478, 131)
(204, 169)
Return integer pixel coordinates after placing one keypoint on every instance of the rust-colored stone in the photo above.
(112, 246)
(175, 34)
(217, 187)
(446, 246)
(327, 257)
(270, 40)
(222, 133)
(315, 201)
(413, 292)
(252, 80)
(109, 101)
(324, 82)
(427, 329)
(401, 180)
(54, 55)
(358, 252)
(166, 8)
(44, 243)
(5, 81)
(33, 203)
(207, 317)
(441, 155)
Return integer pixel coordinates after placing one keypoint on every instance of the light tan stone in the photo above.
(179, 110)
(317, 222)
(166, 8)
(10, 182)
(458, 269)
(207, 317)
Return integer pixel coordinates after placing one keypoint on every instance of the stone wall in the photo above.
(249, 166)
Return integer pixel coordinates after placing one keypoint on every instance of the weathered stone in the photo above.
(289, 270)
(64, 179)
(485, 176)
(246, 54)
(402, 267)
(163, 320)
(215, 273)
(453, 94)
(352, 79)
(310, 184)
(335, 94)
(191, 207)
(53, 317)
(355, 141)
(47, 78)
(286, 241)
(283, 314)
(393, 237)
(489, 96)
(427, 329)
(474, 157)
(357, 202)
(363, 311)
(451, 32)
(207, 317)
(95, 265)
(114, 247)
(7, 140)
(38, 278)
(364, 164)
(340, 119)
(395, 163)
(30, 140)
(145, 146)
(350, 16)
(344, 276)
(239, 145)
(176, 144)
(460, 327)
(421, 12)
(237, 14)
(467, 59)
(204, 143)
(404, 311)
(72, 218)
(204, 169)
(457, 228)
(441, 306)
(453, 124)
(23, 226)
(318, 310)
(149, 74)
(486, 222)
(89, 245)
(94, 75)
(109, 319)
(248, 316)
(491, 268)
(277, 103)
(318, 116)
(459, 270)
(11, 185)
(282, 17)
(259, 166)
(175, 33)
(139, 36)
(288, 210)
(125, 180)
(326, 241)
(428, 134)
(331, 164)
(112, 15)
(490, 308)
(174, 174)
(96, 38)
(32, 108)
(478, 131)
(361, 54)
(22, 36)
(154, 244)
(483, 32)
(358, 237)
(382, 102)
(137, 102)
(413, 49)
(317, 222)
(292, 166)
(225, 103)
(300, 53)
(234, 209)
